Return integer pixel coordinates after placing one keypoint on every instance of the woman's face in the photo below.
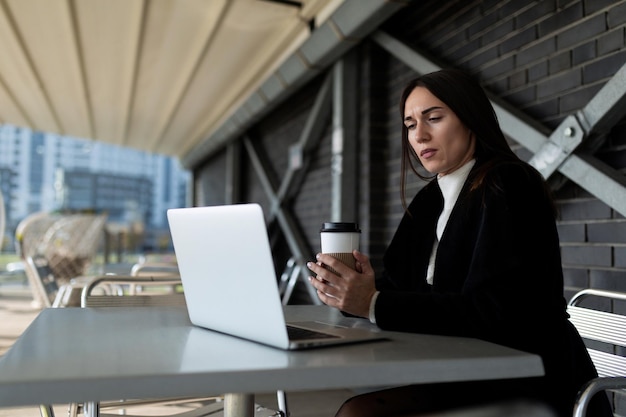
(441, 142)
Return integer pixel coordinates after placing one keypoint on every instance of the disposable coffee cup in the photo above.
(339, 239)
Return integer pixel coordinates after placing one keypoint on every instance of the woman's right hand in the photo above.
(350, 290)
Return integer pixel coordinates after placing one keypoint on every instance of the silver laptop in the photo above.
(229, 280)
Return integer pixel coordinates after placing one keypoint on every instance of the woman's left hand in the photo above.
(350, 290)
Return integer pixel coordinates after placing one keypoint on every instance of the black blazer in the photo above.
(498, 275)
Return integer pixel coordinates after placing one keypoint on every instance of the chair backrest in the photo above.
(155, 269)
(71, 242)
(600, 317)
(114, 291)
(596, 315)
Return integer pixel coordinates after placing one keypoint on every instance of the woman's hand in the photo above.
(350, 291)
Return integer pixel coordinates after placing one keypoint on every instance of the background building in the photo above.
(48, 172)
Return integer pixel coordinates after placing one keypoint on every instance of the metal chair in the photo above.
(607, 329)
(120, 291)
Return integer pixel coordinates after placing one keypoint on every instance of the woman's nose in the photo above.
(421, 134)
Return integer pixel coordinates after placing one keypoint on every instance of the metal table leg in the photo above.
(91, 409)
(239, 405)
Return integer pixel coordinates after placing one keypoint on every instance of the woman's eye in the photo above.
(409, 127)
(434, 119)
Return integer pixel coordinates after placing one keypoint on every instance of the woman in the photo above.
(476, 254)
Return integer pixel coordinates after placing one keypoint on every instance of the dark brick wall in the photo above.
(546, 57)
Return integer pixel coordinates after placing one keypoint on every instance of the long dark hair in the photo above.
(467, 99)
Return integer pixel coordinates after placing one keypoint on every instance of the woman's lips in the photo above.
(427, 153)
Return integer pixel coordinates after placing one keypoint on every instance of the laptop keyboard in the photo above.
(298, 333)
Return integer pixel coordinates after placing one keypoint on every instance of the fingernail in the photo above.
(317, 256)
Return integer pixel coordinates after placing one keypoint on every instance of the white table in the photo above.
(85, 355)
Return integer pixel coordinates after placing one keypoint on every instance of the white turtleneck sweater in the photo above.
(450, 185)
